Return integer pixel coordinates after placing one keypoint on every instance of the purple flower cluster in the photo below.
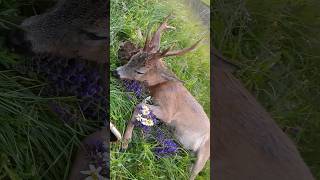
(71, 77)
(167, 146)
(134, 86)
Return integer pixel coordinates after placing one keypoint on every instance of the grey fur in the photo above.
(73, 28)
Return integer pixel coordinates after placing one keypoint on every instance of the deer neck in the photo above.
(162, 75)
(167, 86)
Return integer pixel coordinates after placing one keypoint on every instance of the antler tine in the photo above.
(146, 43)
(163, 53)
(182, 51)
(155, 41)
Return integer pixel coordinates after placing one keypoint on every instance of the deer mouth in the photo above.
(117, 74)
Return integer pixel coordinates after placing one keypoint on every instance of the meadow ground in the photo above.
(128, 18)
(276, 45)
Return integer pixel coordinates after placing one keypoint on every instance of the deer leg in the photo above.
(128, 133)
(203, 155)
(157, 111)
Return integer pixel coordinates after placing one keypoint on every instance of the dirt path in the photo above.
(201, 10)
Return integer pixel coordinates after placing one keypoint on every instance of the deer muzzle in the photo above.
(115, 74)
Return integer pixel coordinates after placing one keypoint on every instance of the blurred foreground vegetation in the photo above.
(276, 43)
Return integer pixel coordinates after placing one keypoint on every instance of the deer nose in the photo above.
(115, 74)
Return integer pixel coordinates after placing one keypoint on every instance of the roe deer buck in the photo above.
(247, 144)
(174, 105)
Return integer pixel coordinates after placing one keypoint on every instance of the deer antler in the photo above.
(154, 45)
(146, 43)
(180, 52)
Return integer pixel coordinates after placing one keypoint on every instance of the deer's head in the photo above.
(147, 65)
(71, 29)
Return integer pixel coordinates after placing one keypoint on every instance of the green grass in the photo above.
(207, 2)
(276, 44)
(127, 18)
(35, 143)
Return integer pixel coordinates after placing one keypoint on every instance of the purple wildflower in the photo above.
(168, 146)
(145, 129)
(160, 135)
(153, 117)
(134, 86)
(71, 77)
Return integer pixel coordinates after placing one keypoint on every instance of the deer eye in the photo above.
(138, 72)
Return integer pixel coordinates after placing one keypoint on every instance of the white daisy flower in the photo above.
(145, 110)
(147, 122)
(93, 173)
(139, 117)
(147, 99)
(143, 120)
